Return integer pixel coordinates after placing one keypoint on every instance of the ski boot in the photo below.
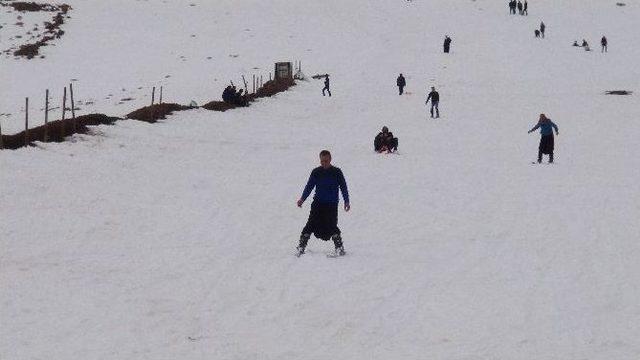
(337, 241)
(304, 238)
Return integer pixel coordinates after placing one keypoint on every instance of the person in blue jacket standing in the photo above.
(323, 219)
(546, 127)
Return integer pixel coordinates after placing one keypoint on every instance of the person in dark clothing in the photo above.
(226, 94)
(519, 7)
(536, 32)
(385, 141)
(435, 100)
(447, 44)
(546, 146)
(323, 218)
(525, 8)
(401, 82)
(326, 85)
(575, 43)
(238, 98)
(512, 7)
(542, 28)
(604, 42)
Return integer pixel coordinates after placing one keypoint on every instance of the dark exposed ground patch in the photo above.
(619, 92)
(153, 113)
(56, 131)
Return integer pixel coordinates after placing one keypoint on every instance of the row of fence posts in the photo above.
(46, 116)
(257, 83)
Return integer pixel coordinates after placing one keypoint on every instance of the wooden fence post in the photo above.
(160, 102)
(153, 95)
(254, 83)
(46, 116)
(26, 121)
(245, 85)
(261, 82)
(64, 113)
(73, 111)
(1, 145)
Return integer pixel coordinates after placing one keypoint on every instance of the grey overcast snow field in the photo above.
(176, 240)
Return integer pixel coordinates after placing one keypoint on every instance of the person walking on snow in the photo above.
(447, 44)
(546, 146)
(519, 7)
(603, 42)
(525, 9)
(401, 82)
(323, 218)
(326, 85)
(542, 27)
(435, 99)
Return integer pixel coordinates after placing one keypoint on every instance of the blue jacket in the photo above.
(546, 127)
(326, 182)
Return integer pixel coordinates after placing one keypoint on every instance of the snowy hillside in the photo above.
(175, 240)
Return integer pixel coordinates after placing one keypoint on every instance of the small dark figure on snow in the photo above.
(401, 82)
(585, 45)
(519, 7)
(323, 219)
(575, 43)
(227, 94)
(542, 28)
(546, 127)
(525, 9)
(512, 7)
(326, 85)
(435, 100)
(385, 141)
(447, 44)
(239, 99)
(536, 32)
(604, 42)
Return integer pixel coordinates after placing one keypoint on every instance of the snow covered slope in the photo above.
(175, 240)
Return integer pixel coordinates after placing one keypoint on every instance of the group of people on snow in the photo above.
(231, 96)
(603, 43)
(523, 8)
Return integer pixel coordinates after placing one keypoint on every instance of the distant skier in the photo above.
(525, 9)
(435, 100)
(519, 7)
(546, 127)
(603, 42)
(447, 44)
(385, 141)
(323, 219)
(542, 28)
(401, 82)
(326, 85)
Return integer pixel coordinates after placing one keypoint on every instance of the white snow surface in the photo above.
(175, 240)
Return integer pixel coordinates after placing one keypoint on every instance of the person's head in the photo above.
(400, 74)
(325, 159)
(326, 76)
(385, 129)
(543, 117)
(433, 88)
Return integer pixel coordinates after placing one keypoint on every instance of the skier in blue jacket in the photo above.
(323, 219)
(546, 127)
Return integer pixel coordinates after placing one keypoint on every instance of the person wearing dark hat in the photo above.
(323, 218)
(401, 82)
(546, 146)
(385, 141)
